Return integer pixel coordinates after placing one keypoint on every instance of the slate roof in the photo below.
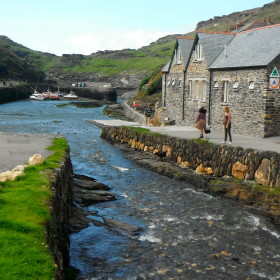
(212, 44)
(185, 44)
(252, 48)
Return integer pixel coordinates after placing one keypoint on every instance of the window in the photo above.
(168, 83)
(204, 91)
(216, 85)
(225, 92)
(197, 90)
(173, 82)
(198, 53)
(179, 83)
(251, 85)
(235, 85)
(190, 88)
(178, 56)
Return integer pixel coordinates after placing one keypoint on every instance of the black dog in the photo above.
(160, 154)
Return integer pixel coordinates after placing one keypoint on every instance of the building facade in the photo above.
(214, 70)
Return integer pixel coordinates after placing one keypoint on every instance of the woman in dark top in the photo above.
(200, 122)
(227, 125)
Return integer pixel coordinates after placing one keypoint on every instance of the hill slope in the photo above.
(122, 68)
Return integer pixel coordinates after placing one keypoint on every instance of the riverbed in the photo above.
(183, 234)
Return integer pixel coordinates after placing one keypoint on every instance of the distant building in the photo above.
(239, 70)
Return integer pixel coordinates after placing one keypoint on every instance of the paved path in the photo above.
(216, 136)
(17, 148)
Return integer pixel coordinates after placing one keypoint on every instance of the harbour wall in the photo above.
(10, 94)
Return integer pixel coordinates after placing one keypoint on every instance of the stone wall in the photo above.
(216, 160)
(61, 209)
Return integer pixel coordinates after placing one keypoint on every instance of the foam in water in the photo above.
(122, 169)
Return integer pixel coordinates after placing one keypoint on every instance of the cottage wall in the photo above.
(173, 94)
(247, 105)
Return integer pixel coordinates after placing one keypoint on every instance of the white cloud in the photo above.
(112, 40)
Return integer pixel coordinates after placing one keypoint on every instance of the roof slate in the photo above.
(212, 44)
(257, 47)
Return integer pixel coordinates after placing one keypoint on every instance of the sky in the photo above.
(87, 26)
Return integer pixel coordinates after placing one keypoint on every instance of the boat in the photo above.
(71, 95)
(53, 96)
(38, 96)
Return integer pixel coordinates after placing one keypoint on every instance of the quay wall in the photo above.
(10, 94)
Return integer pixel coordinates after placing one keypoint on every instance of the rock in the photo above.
(239, 170)
(208, 171)
(10, 175)
(200, 169)
(88, 183)
(262, 173)
(78, 220)
(130, 229)
(185, 164)
(35, 159)
(87, 197)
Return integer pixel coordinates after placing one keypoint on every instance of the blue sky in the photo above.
(86, 26)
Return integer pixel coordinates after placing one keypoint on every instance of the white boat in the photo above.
(71, 95)
(37, 96)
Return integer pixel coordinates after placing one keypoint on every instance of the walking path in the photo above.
(216, 136)
(17, 148)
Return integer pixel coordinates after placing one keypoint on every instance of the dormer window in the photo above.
(178, 56)
(251, 85)
(198, 53)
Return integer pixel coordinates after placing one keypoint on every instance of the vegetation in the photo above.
(23, 214)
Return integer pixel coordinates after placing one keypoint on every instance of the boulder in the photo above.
(10, 175)
(262, 173)
(200, 169)
(239, 170)
(35, 159)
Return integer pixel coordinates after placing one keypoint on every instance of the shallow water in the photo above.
(184, 234)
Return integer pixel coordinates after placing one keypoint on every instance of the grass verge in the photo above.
(24, 253)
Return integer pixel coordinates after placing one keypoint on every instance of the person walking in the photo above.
(227, 125)
(148, 114)
(200, 121)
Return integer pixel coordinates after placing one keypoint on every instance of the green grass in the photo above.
(23, 214)
(108, 67)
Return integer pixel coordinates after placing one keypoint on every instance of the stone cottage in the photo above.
(239, 70)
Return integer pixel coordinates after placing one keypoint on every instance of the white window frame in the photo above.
(190, 88)
(178, 56)
(235, 85)
(251, 85)
(198, 53)
(204, 91)
(225, 91)
(196, 90)
(216, 84)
